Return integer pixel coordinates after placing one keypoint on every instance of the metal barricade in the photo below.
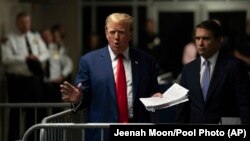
(61, 118)
(21, 109)
(70, 126)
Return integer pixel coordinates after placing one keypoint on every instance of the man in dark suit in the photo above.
(224, 93)
(96, 80)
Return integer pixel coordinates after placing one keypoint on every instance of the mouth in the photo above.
(201, 48)
(116, 44)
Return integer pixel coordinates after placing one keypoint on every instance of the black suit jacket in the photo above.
(228, 93)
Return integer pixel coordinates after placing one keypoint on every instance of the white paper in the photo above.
(176, 94)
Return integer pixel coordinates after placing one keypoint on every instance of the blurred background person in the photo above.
(242, 50)
(58, 67)
(94, 41)
(63, 50)
(60, 28)
(189, 54)
(150, 42)
(226, 43)
(22, 56)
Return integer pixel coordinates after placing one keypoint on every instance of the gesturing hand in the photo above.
(70, 93)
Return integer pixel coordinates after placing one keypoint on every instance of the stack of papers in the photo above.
(176, 94)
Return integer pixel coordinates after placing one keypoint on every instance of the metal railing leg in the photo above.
(6, 123)
(35, 115)
(102, 134)
(21, 121)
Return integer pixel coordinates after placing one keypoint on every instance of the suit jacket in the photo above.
(228, 93)
(98, 85)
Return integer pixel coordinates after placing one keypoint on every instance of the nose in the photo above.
(116, 35)
(200, 42)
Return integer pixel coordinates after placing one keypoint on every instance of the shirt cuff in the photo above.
(76, 106)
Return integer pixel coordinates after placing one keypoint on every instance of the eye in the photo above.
(121, 32)
(197, 38)
(205, 38)
(112, 32)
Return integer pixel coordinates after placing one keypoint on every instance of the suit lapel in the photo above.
(197, 85)
(218, 74)
(108, 70)
(135, 62)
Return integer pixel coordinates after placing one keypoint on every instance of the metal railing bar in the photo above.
(57, 115)
(20, 122)
(32, 105)
(74, 126)
(20, 107)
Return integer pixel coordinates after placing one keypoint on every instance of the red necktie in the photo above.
(121, 90)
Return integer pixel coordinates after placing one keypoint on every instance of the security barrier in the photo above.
(21, 109)
(67, 117)
(68, 126)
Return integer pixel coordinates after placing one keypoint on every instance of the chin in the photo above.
(201, 53)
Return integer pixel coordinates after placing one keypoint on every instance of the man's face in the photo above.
(23, 24)
(206, 43)
(118, 36)
(57, 37)
(47, 36)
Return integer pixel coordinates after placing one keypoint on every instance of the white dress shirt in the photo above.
(128, 73)
(15, 51)
(212, 63)
(60, 63)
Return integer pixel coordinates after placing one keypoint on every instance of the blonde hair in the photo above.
(120, 18)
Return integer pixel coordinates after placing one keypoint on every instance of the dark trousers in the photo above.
(23, 89)
(52, 95)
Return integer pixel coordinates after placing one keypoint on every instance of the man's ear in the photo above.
(220, 39)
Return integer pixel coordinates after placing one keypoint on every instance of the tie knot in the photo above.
(206, 63)
(119, 56)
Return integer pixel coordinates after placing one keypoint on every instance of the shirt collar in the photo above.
(212, 59)
(113, 56)
(23, 34)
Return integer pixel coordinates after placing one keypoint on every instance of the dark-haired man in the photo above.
(218, 84)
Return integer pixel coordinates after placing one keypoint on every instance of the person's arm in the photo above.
(79, 96)
(9, 54)
(43, 51)
(244, 58)
(67, 66)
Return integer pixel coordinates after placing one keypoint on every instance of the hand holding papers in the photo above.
(176, 94)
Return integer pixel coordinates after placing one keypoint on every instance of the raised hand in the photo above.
(71, 93)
